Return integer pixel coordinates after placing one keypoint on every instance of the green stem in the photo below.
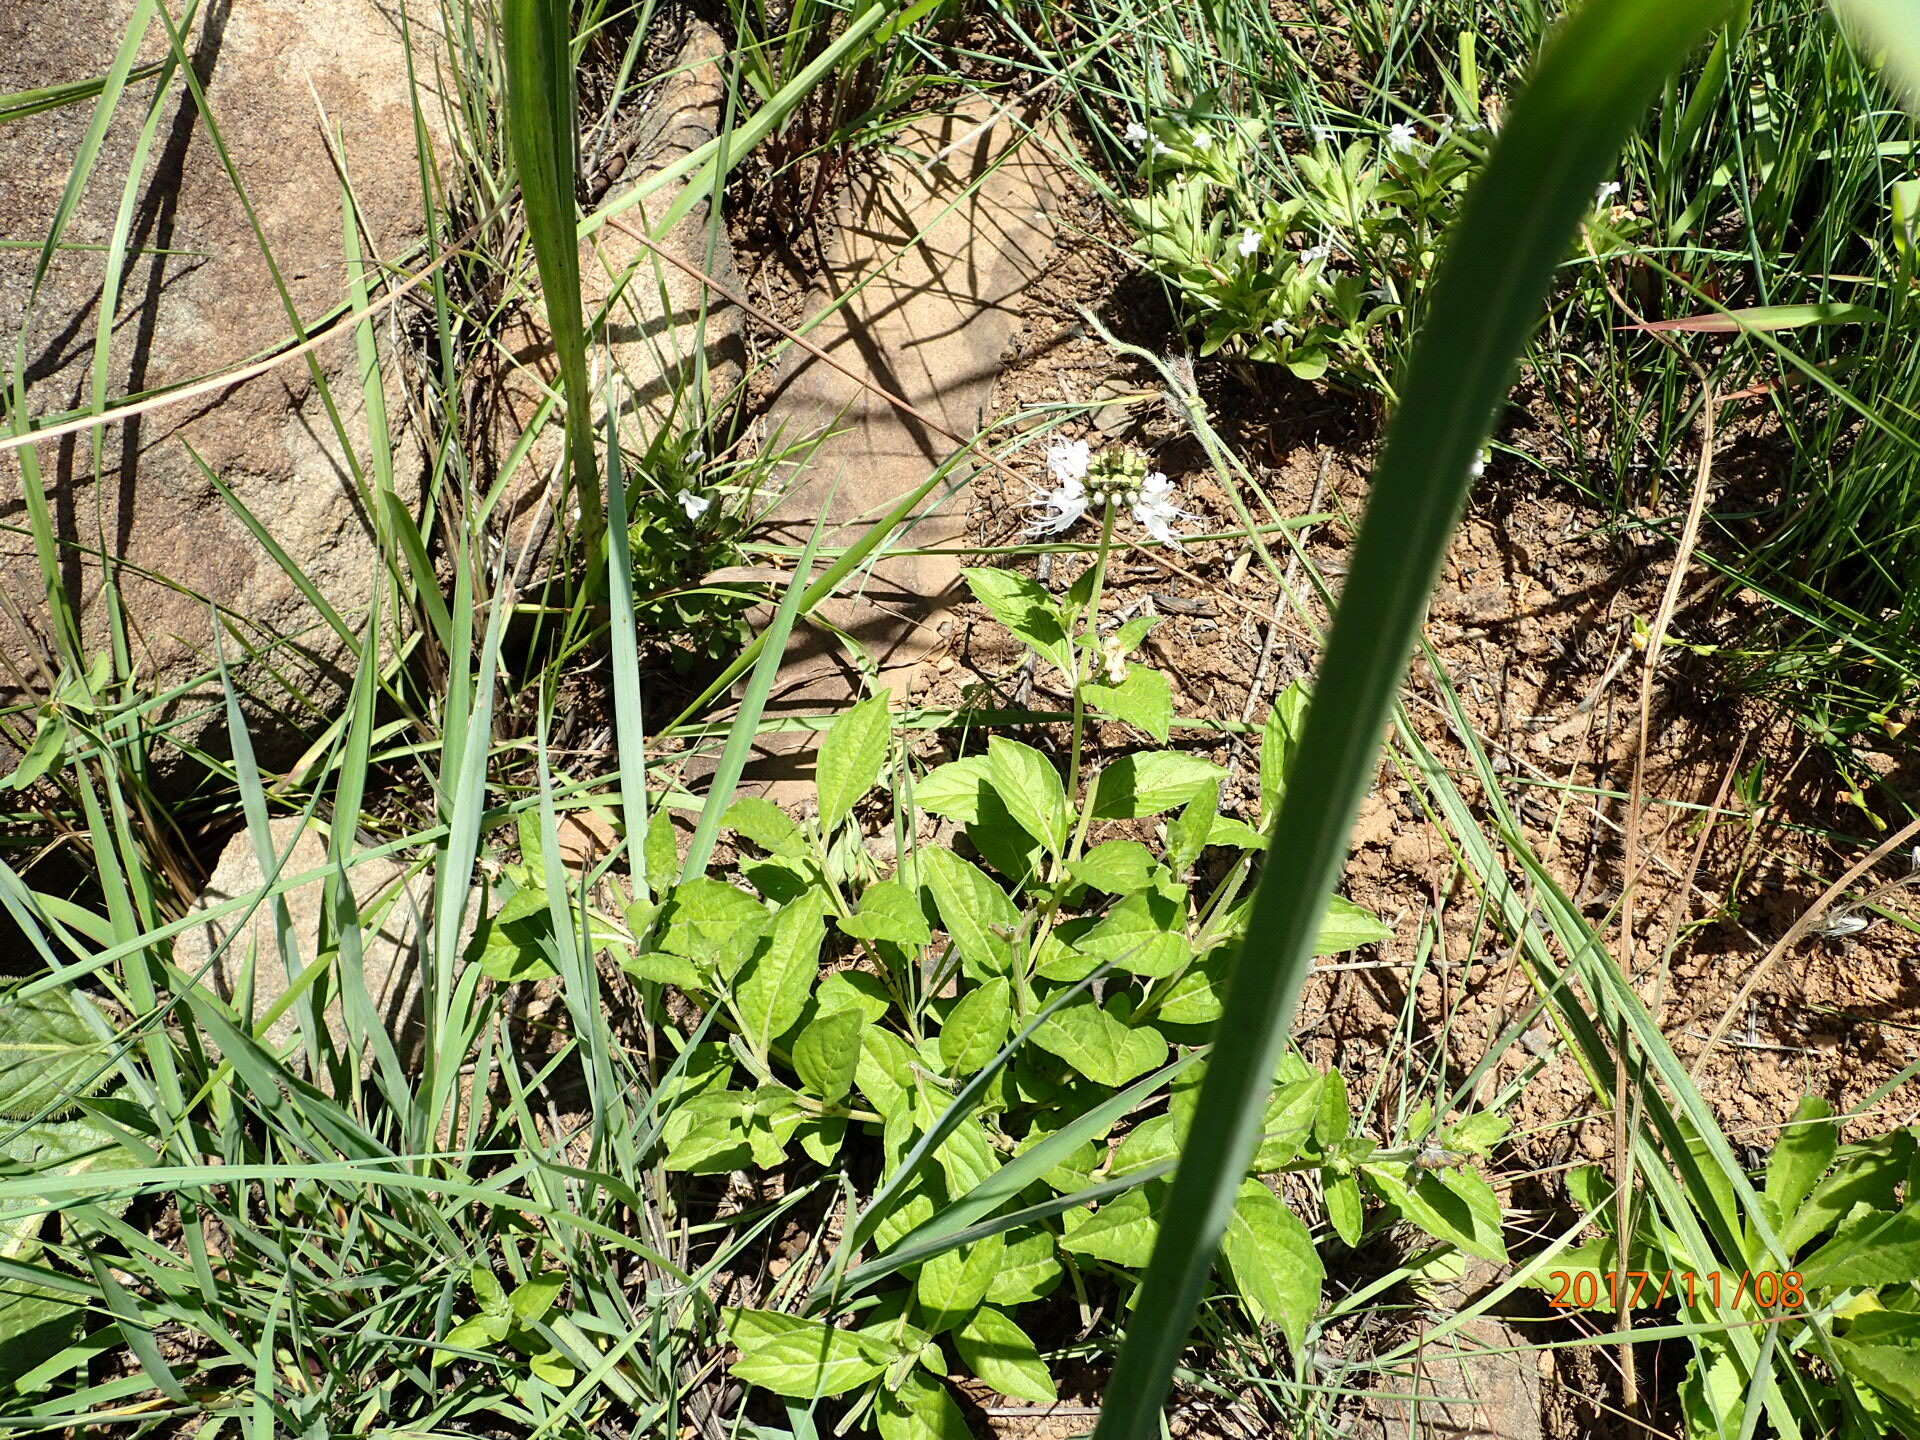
(1084, 654)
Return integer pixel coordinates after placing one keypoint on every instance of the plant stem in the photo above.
(1082, 659)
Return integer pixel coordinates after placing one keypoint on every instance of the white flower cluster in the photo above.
(1153, 502)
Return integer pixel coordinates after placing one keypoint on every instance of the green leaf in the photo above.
(765, 824)
(1028, 1269)
(507, 946)
(827, 1053)
(1147, 1144)
(49, 1053)
(49, 744)
(954, 790)
(1878, 1249)
(803, 1359)
(977, 1027)
(851, 757)
(1145, 934)
(971, 907)
(1119, 867)
(1289, 1120)
(1346, 926)
(1274, 1264)
(890, 912)
(1150, 783)
(1882, 1347)
(1345, 1210)
(662, 969)
(1279, 739)
(999, 1352)
(536, 1295)
(1030, 788)
(1194, 998)
(552, 1367)
(773, 988)
(853, 990)
(710, 1134)
(919, 1408)
(480, 1332)
(1805, 1152)
(1868, 1174)
(1190, 832)
(1144, 699)
(1121, 1231)
(954, 1282)
(884, 1071)
(1025, 609)
(1455, 1206)
(662, 851)
(1099, 1042)
(715, 925)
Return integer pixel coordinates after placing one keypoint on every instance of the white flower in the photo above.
(1156, 511)
(1479, 465)
(1135, 133)
(1067, 460)
(1249, 242)
(694, 456)
(1323, 135)
(1605, 193)
(1158, 148)
(1316, 252)
(1062, 507)
(695, 505)
(1401, 139)
(1202, 140)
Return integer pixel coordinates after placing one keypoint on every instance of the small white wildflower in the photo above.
(1323, 135)
(1401, 139)
(1061, 507)
(695, 505)
(1278, 328)
(1156, 510)
(1316, 252)
(1158, 148)
(1135, 133)
(1605, 193)
(694, 456)
(1249, 242)
(1202, 140)
(1067, 460)
(1479, 465)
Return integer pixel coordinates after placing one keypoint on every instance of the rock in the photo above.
(677, 347)
(143, 511)
(929, 265)
(392, 956)
(1479, 1382)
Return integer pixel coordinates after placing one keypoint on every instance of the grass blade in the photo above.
(1591, 84)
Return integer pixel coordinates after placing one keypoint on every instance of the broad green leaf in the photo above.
(1289, 1120)
(1882, 1347)
(1456, 1206)
(480, 1332)
(954, 790)
(710, 1134)
(507, 945)
(49, 1053)
(977, 1027)
(1335, 1120)
(919, 1408)
(1145, 934)
(1150, 783)
(662, 968)
(662, 851)
(765, 824)
(999, 1352)
(1119, 867)
(1100, 1042)
(1029, 786)
(536, 1295)
(84, 1145)
(884, 1071)
(828, 1051)
(1868, 1174)
(1027, 610)
(954, 1282)
(1345, 1210)
(49, 744)
(773, 1120)
(803, 1359)
(715, 925)
(1144, 699)
(890, 912)
(1279, 739)
(851, 757)
(1190, 831)
(1194, 998)
(1028, 1269)
(1346, 926)
(974, 910)
(1121, 1231)
(853, 990)
(1147, 1144)
(1274, 1265)
(773, 989)
(1876, 1249)
(1805, 1152)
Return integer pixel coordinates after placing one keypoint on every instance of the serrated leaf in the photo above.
(827, 1053)
(999, 1352)
(1274, 1265)
(1144, 699)
(970, 907)
(773, 988)
(1150, 783)
(889, 911)
(851, 757)
(1118, 867)
(1878, 1249)
(49, 1053)
(766, 825)
(919, 1408)
(977, 1027)
(1144, 934)
(1030, 788)
(954, 1282)
(1025, 609)
(802, 1359)
(1100, 1043)
(1882, 1347)
(1121, 1231)
(1028, 1270)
